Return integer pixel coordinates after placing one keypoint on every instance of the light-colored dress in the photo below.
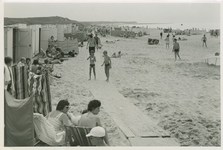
(167, 40)
(51, 131)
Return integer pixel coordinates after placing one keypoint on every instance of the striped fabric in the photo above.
(79, 134)
(40, 86)
(20, 76)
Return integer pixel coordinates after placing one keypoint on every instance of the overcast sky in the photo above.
(140, 12)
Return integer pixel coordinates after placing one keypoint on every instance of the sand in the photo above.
(182, 96)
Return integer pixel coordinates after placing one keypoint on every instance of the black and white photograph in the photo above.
(111, 74)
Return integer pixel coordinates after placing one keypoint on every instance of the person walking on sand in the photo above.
(91, 44)
(167, 39)
(161, 35)
(107, 63)
(204, 39)
(176, 49)
(97, 39)
(92, 64)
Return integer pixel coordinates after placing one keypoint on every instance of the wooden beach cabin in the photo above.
(8, 41)
(36, 29)
(17, 42)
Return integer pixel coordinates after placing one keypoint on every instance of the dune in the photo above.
(182, 96)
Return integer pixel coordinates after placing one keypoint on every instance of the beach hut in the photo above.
(8, 41)
(18, 25)
(22, 44)
(35, 37)
(60, 32)
(18, 43)
(53, 32)
(44, 36)
(46, 33)
(80, 35)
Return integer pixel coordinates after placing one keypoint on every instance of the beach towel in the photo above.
(39, 85)
(20, 77)
(19, 128)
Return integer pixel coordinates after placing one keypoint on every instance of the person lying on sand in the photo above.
(97, 135)
(110, 41)
(90, 119)
(116, 56)
(60, 53)
(113, 55)
(119, 54)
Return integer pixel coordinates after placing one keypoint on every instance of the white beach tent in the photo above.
(214, 60)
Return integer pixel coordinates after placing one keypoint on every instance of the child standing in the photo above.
(92, 64)
(204, 39)
(167, 41)
(107, 63)
(176, 49)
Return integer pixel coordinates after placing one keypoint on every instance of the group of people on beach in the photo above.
(92, 44)
(176, 45)
(62, 121)
(36, 68)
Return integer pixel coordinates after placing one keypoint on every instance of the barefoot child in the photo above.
(167, 41)
(92, 64)
(176, 49)
(107, 63)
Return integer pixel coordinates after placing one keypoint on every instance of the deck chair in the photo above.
(79, 135)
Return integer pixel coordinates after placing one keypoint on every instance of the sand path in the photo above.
(132, 122)
(182, 97)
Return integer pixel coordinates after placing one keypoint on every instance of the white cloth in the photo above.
(20, 64)
(7, 77)
(46, 131)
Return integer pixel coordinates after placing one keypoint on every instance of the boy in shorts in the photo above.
(204, 39)
(92, 64)
(107, 63)
(176, 49)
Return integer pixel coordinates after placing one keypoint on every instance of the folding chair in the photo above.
(79, 134)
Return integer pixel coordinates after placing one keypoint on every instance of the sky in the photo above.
(139, 12)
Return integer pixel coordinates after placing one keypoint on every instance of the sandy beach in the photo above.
(182, 96)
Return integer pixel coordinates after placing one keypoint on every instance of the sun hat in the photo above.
(96, 132)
